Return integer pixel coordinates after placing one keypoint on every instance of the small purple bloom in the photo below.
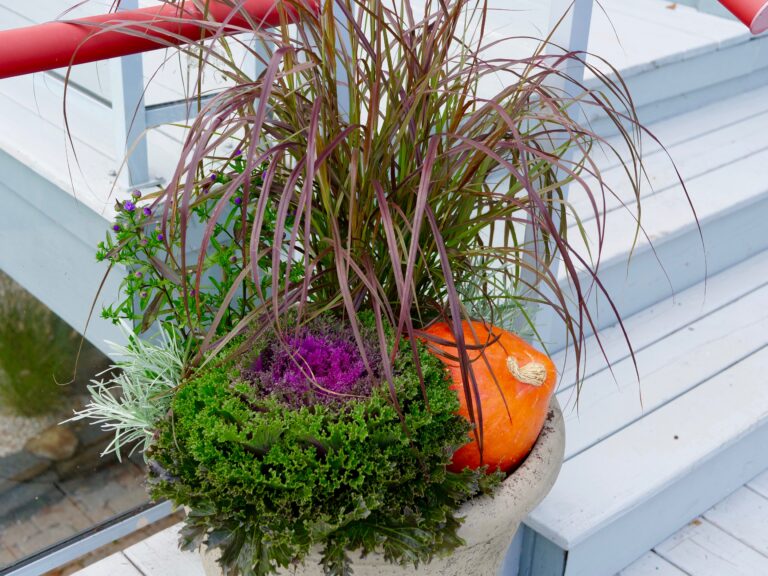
(144, 294)
(238, 152)
(136, 194)
(116, 228)
(147, 211)
(138, 274)
(129, 206)
(214, 176)
(238, 200)
(233, 259)
(160, 237)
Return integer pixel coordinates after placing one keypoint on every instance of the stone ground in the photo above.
(64, 508)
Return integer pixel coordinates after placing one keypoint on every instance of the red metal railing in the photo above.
(58, 44)
(754, 13)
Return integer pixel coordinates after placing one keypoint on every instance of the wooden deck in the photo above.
(731, 539)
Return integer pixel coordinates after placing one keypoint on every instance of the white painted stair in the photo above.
(658, 439)
(643, 460)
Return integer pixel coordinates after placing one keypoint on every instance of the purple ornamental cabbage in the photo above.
(316, 364)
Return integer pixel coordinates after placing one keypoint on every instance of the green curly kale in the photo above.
(267, 480)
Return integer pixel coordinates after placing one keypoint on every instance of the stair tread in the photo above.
(637, 462)
(663, 319)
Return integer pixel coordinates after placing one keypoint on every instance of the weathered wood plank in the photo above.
(703, 549)
(605, 515)
(115, 565)
(159, 555)
(665, 318)
(694, 158)
(760, 484)
(743, 515)
(669, 368)
(676, 130)
(652, 564)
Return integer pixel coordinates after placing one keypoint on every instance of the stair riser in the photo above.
(642, 528)
(666, 90)
(729, 238)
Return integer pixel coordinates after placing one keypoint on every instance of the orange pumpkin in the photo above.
(525, 378)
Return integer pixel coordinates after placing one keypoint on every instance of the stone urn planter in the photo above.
(490, 522)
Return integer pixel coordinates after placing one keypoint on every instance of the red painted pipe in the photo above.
(754, 13)
(59, 44)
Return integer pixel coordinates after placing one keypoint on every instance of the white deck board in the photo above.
(668, 213)
(743, 515)
(702, 549)
(159, 555)
(115, 565)
(673, 131)
(653, 452)
(665, 318)
(760, 485)
(652, 564)
(690, 160)
(669, 368)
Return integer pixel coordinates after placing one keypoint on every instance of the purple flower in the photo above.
(214, 176)
(138, 273)
(238, 152)
(147, 211)
(160, 237)
(233, 259)
(129, 206)
(136, 194)
(238, 200)
(116, 228)
(144, 294)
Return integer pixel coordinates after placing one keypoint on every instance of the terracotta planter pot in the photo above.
(489, 525)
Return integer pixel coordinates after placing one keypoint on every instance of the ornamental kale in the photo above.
(268, 479)
(319, 363)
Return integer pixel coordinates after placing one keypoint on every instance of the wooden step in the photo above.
(694, 57)
(636, 472)
(730, 538)
(722, 156)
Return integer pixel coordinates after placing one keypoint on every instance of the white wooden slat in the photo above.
(681, 18)
(664, 318)
(693, 124)
(669, 213)
(115, 565)
(159, 555)
(652, 564)
(652, 453)
(702, 549)
(622, 39)
(743, 515)
(760, 484)
(692, 159)
(32, 130)
(668, 369)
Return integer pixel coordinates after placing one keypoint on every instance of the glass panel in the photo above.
(53, 482)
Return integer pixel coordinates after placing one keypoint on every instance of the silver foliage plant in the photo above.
(138, 391)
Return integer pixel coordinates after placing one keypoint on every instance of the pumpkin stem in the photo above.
(533, 373)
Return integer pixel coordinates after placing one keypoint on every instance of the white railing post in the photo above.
(569, 22)
(127, 83)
